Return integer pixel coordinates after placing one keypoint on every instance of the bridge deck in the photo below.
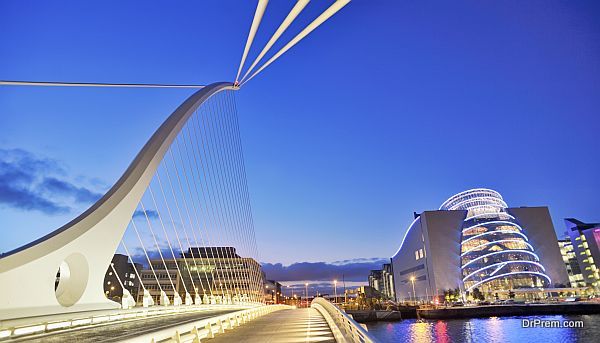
(120, 331)
(298, 325)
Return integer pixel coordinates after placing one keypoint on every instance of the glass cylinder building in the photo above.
(495, 252)
(474, 240)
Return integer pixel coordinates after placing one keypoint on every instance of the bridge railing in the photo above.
(71, 321)
(344, 328)
(209, 327)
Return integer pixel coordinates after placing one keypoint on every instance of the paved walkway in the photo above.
(285, 326)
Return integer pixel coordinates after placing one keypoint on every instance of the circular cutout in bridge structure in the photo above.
(73, 275)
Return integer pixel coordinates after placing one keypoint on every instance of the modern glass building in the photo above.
(571, 263)
(585, 240)
(495, 251)
(475, 240)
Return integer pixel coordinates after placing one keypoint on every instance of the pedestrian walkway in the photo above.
(285, 326)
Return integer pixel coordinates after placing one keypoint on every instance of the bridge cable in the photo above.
(243, 235)
(223, 190)
(245, 190)
(187, 266)
(211, 201)
(112, 266)
(157, 246)
(258, 14)
(218, 263)
(170, 152)
(328, 13)
(207, 145)
(187, 210)
(216, 260)
(133, 264)
(167, 237)
(146, 254)
(232, 198)
(234, 183)
(300, 4)
(195, 212)
(258, 290)
(94, 84)
(224, 193)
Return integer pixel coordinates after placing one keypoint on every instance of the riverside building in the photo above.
(476, 241)
(585, 244)
(209, 275)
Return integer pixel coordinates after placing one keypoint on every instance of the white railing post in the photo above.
(343, 326)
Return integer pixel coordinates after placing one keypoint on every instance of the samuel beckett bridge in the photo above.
(169, 252)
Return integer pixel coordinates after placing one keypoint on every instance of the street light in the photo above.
(412, 279)
(306, 293)
(335, 291)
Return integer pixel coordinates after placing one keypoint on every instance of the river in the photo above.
(495, 329)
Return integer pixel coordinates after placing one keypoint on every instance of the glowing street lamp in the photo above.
(306, 293)
(412, 279)
(335, 291)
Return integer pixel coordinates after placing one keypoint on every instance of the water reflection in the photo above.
(441, 331)
(420, 331)
(494, 329)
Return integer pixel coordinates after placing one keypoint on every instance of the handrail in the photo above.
(344, 328)
(209, 327)
(94, 317)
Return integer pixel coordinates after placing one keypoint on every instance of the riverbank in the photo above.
(509, 310)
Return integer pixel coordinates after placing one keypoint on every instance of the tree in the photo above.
(477, 295)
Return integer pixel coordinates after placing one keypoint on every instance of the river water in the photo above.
(495, 329)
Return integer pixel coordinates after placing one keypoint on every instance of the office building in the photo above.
(571, 263)
(585, 241)
(122, 275)
(215, 274)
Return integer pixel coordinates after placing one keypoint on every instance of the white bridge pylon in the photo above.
(84, 247)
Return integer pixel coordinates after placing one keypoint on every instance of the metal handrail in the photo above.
(209, 327)
(344, 328)
(96, 317)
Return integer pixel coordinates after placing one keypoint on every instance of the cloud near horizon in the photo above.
(152, 214)
(31, 183)
(350, 270)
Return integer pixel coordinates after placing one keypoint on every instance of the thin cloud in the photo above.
(152, 214)
(31, 183)
(79, 194)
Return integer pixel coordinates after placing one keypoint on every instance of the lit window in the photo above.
(420, 253)
(416, 254)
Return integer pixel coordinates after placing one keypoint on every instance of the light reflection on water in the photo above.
(494, 330)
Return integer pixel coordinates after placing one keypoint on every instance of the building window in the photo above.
(416, 254)
(420, 253)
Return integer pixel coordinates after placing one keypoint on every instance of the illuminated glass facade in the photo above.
(495, 252)
(585, 241)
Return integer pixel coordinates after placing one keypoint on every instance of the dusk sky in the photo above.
(390, 107)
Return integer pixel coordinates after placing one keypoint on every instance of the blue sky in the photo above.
(389, 108)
